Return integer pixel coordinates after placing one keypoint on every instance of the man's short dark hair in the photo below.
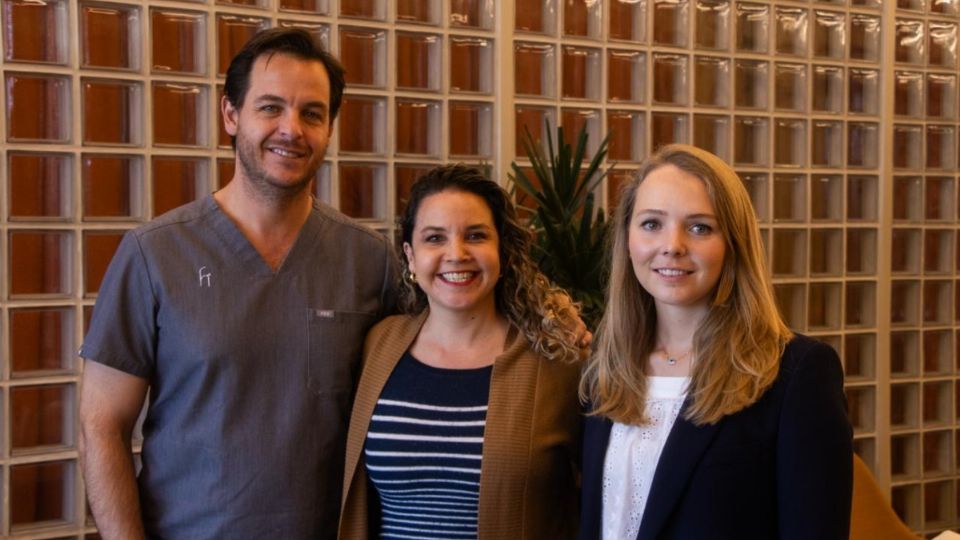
(292, 41)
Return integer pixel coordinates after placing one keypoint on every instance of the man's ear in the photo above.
(230, 116)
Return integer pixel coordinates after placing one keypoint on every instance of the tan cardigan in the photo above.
(531, 443)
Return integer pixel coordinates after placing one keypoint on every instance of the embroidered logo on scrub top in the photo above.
(204, 276)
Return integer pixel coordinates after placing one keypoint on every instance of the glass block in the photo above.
(44, 493)
(791, 300)
(109, 36)
(907, 198)
(861, 407)
(362, 124)
(179, 41)
(875, 4)
(666, 128)
(38, 108)
(826, 144)
(904, 405)
(418, 61)
(41, 340)
(904, 302)
(627, 135)
(906, 250)
(829, 34)
(938, 251)
(98, 250)
(626, 72)
(363, 9)
(862, 197)
(866, 448)
(711, 132)
(712, 24)
(472, 13)
(320, 31)
(670, 22)
(112, 186)
(904, 354)
(750, 79)
(946, 7)
(757, 185)
(177, 181)
(909, 42)
(905, 500)
(233, 31)
(628, 20)
(938, 199)
(471, 129)
(864, 91)
(537, 16)
(670, 76)
(534, 69)
(827, 89)
(418, 127)
(40, 185)
(753, 27)
(941, 96)
(40, 262)
(790, 142)
(943, 44)
(573, 120)
(826, 197)
(791, 34)
(937, 400)
(790, 93)
(937, 352)
(534, 120)
(35, 31)
(582, 18)
(318, 7)
(905, 456)
(859, 355)
(913, 5)
(751, 136)
(226, 167)
(711, 81)
(861, 251)
(363, 190)
(581, 73)
(939, 508)
(908, 93)
(405, 175)
(863, 143)
(860, 301)
(907, 144)
(941, 147)
(363, 53)
(864, 37)
(180, 114)
(112, 112)
(471, 64)
(418, 11)
(826, 253)
(616, 179)
(823, 307)
(789, 251)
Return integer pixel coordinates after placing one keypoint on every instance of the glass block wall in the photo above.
(841, 116)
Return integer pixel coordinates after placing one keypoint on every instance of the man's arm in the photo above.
(110, 402)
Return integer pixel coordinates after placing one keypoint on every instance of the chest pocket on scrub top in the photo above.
(335, 341)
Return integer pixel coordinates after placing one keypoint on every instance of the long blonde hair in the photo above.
(739, 342)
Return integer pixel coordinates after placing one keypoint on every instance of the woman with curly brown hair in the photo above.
(466, 422)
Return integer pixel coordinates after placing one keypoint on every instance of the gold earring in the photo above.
(411, 277)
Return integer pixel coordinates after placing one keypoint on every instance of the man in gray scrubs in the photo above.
(244, 315)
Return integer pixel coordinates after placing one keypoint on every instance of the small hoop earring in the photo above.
(410, 277)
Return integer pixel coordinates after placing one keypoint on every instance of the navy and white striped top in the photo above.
(424, 448)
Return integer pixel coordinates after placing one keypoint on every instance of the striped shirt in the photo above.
(424, 448)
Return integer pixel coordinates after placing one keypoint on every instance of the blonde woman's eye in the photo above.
(650, 225)
(701, 228)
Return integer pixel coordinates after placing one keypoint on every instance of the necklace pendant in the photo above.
(671, 361)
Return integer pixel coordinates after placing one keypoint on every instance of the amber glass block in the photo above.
(753, 27)
(42, 416)
(906, 250)
(750, 84)
(863, 144)
(233, 31)
(904, 405)
(938, 199)
(758, 186)
(109, 36)
(937, 359)
(362, 190)
(41, 339)
(789, 252)
(320, 31)
(362, 124)
(823, 306)
(582, 18)
(904, 454)
(38, 108)
(909, 41)
(670, 79)
(938, 503)
(39, 185)
(861, 407)
(245, 3)
(863, 91)
(861, 251)
(628, 20)
(862, 198)
(180, 114)
(941, 147)
(936, 402)
(471, 64)
(405, 175)
(39, 262)
(712, 24)
(937, 251)
(533, 120)
(625, 75)
(626, 135)
(943, 44)
(177, 181)
(225, 171)
(418, 11)
(319, 7)
(34, 31)
(670, 22)
(711, 132)
(864, 37)
(537, 16)
(941, 95)
(98, 249)
(826, 252)
(666, 128)
(471, 129)
(179, 41)
(616, 181)
(711, 77)
(826, 197)
(907, 146)
(418, 127)
(418, 61)
(790, 142)
(751, 137)
(790, 93)
(112, 185)
(859, 356)
(829, 34)
(908, 93)
(903, 354)
(112, 112)
(907, 198)
(534, 69)
(363, 55)
(44, 492)
(791, 300)
(826, 144)
(472, 13)
(790, 197)
(791, 31)
(904, 302)
(573, 120)
(364, 9)
(581, 73)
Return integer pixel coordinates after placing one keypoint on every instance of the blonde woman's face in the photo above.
(675, 243)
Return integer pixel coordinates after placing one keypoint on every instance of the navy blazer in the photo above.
(781, 468)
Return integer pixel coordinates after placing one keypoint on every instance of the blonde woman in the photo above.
(709, 418)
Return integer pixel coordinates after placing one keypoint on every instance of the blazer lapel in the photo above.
(596, 436)
(681, 453)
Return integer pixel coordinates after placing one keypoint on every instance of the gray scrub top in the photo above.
(251, 371)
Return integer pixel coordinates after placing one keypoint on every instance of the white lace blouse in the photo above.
(632, 456)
